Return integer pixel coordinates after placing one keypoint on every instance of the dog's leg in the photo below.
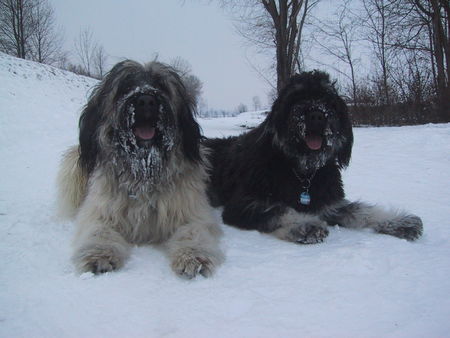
(98, 247)
(194, 248)
(300, 228)
(278, 220)
(363, 215)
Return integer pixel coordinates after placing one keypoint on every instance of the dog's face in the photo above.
(138, 116)
(144, 115)
(310, 121)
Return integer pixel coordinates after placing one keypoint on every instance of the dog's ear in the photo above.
(190, 129)
(92, 115)
(345, 153)
(345, 124)
(299, 86)
(191, 134)
(277, 119)
(89, 124)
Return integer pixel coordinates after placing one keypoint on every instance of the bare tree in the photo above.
(99, 62)
(337, 37)
(377, 21)
(27, 30)
(192, 82)
(241, 108)
(412, 78)
(256, 103)
(85, 49)
(194, 86)
(15, 26)
(421, 40)
(46, 42)
(92, 58)
(437, 15)
(275, 25)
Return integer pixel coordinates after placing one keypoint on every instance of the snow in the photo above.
(356, 283)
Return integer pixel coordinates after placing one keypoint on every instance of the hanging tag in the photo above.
(132, 195)
(305, 199)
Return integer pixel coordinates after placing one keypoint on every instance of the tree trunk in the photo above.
(284, 18)
(22, 33)
(283, 72)
(439, 41)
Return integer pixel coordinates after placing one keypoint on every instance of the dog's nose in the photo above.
(146, 105)
(316, 121)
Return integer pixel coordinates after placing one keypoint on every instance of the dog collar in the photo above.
(305, 180)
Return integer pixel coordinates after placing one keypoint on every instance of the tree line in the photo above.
(392, 56)
(28, 30)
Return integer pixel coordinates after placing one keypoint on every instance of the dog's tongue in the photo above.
(145, 132)
(314, 142)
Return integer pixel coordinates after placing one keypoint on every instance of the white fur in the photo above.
(363, 215)
(71, 184)
(136, 196)
(109, 219)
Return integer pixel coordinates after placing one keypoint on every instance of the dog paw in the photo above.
(308, 234)
(102, 265)
(188, 264)
(409, 227)
(98, 259)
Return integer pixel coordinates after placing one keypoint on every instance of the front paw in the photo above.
(98, 259)
(188, 263)
(308, 234)
(409, 227)
(310, 231)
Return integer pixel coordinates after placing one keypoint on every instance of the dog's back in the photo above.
(233, 161)
(218, 150)
(71, 184)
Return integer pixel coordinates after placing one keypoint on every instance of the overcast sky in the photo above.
(199, 32)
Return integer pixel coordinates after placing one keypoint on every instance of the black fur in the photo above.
(253, 167)
(258, 176)
(89, 122)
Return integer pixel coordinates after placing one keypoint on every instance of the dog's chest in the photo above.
(139, 219)
(325, 188)
(143, 221)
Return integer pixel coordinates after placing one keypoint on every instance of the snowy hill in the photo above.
(355, 284)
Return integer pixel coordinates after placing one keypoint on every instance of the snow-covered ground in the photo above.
(355, 284)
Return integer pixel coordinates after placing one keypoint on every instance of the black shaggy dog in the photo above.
(283, 177)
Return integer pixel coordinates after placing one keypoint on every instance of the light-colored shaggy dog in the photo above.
(138, 175)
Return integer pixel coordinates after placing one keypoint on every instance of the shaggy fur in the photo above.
(301, 147)
(138, 175)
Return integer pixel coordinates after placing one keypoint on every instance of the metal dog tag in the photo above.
(305, 199)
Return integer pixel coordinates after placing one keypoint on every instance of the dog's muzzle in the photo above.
(316, 122)
(146, 113)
